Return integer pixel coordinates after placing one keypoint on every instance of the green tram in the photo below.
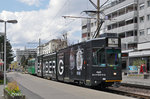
(31, 66)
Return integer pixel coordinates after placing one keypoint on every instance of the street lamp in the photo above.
(8, 21)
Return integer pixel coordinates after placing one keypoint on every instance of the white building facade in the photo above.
(51, 46)
(131, 20)
(26, 53)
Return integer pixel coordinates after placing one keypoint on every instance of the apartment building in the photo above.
(131, 20)
(51, 46)
(26, 53)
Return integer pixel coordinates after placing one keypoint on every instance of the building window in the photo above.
(148, 31)
(91, 24)
(109, 27)
(122, 23)
(114, 25)
(148, 3)
(84, 35)
(122, 35)
(148, 17)
(121, 12)
(132, 46)
(135, 32)
(129, 33)
(130, 8)
(109, 16)
(114, 14)
(141, 32)
(142, 19)
(142, 6)
(84, 27)
(130, 21)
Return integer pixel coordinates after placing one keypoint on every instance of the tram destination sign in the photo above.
(112, 42)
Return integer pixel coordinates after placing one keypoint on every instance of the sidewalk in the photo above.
(1, 91)
(137, 80)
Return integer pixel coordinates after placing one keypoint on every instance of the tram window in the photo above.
(99, 57)
(113, 57)
(46, 69)
(53, 63)
(50, 63)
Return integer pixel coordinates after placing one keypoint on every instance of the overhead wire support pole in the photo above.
(93, 4)
(98, 13)
(100, 21)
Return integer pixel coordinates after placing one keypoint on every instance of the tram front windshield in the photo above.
(108, 57)
(113, 57)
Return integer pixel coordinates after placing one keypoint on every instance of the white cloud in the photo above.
(31, 2)
(46, 24)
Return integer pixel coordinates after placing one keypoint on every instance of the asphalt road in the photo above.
(39, 88)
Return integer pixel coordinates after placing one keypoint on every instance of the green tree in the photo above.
(30, 56)
(9, 54)
(23, 61)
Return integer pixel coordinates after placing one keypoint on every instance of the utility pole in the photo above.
(65, 40)
(98, 13)
(99, 24)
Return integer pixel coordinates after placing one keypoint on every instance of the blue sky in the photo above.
(17, 5)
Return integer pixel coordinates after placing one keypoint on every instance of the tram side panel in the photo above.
(36, 66)
(49, 66)
(66, 66)
(88, 63)
(72, 63)
(40, 66)
(75, 66)
(98, 71)
(60, 65)
(45, 66)
(53, 67)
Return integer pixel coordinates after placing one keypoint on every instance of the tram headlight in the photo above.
(115, 73)
(95, 81)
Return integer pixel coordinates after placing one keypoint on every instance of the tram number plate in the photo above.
(98, 73)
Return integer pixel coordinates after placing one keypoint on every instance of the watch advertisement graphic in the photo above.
(79, 59)
(72, 59)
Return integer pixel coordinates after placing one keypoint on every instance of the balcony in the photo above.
(125, 17)
(124, 28)
(131, 39)
(110, 9)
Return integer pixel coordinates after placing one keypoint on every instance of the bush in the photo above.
(138, 62)
(13, 89)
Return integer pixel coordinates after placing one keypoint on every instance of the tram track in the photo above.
(130, 92)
